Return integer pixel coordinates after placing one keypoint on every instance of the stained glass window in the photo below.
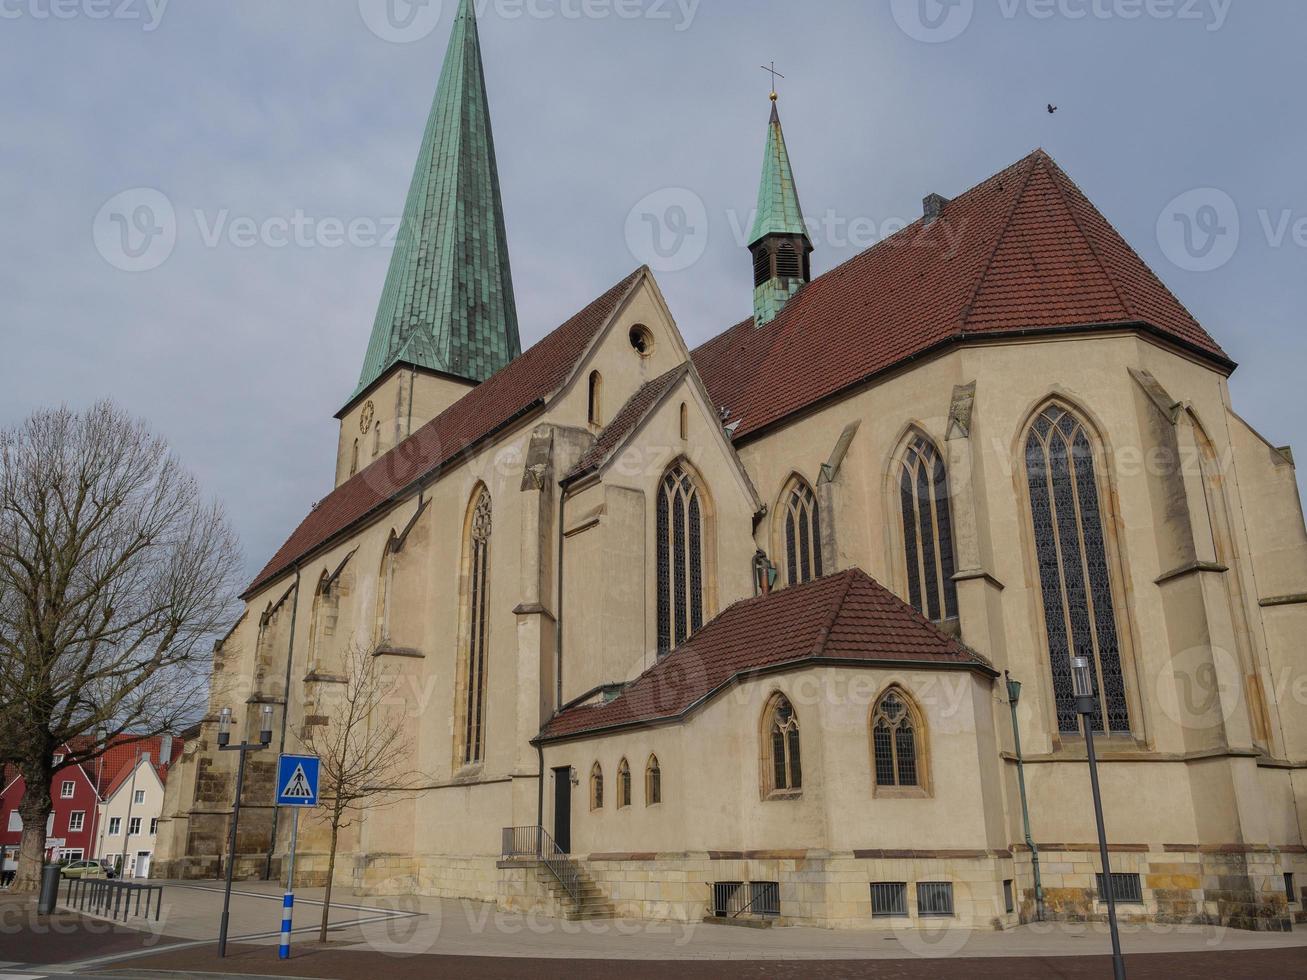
(927, 531)
(894, 741)
(477, 599)
(785, 769)
(1074, 572)
(802, 533)
(680, 530)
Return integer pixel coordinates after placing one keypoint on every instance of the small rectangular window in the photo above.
(1126, 888)
(15, 822)
(76, 820)
(1009, 901)
(133, 826)
(154, 826)
(1289, 891)
(138, 796)
(115, 826)
(889, 899)
(728, 898)
(58, 758)
(66, 791)
(765, 898)
(934, 898)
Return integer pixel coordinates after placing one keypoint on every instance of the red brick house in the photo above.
(70, 831)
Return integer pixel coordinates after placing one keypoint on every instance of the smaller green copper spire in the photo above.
(779, 241)
(779, 212)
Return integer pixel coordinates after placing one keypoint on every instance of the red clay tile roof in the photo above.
(844, 617)
(119, 760)
(625, 421)
(1023, 251)
(499, 400)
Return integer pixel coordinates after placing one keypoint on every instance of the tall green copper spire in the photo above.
(448, 300)
(779, 240)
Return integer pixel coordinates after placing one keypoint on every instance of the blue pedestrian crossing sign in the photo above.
(297, 780)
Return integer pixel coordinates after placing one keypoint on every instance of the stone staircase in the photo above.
(592, 903)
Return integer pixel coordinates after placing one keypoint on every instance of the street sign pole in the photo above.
(297, 788)
(288, 903)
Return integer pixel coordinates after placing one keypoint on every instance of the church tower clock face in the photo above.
(365, 418)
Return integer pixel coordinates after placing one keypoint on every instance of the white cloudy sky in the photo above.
(262, 109)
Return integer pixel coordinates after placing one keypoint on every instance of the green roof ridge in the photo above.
(448, 301)
(779, 212)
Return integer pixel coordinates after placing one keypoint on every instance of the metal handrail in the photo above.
(104, 896)
(535, 842)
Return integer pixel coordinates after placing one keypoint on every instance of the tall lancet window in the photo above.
(680, 558)
(802, 533)
(927, 530)
(385, 591)
(1074, 571)
(476, 595)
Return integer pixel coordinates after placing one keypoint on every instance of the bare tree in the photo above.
(361, 740)
(115, 575)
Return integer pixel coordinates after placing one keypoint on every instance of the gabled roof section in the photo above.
(523, 385)
(847, 617)
(119, 760)
(1024, 251)
(448, 303)
(625, 422)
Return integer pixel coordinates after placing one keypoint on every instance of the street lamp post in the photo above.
(1086, 704)
(224, 739)
(1013, 696)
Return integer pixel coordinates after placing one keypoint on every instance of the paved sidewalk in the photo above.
(412, 936)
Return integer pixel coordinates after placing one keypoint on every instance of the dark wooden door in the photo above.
(563, 809)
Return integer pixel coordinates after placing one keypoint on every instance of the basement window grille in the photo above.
(889, 899)
(765, 898)
(1126, 888)
(1290, 892)
(934, 899)
(728, 898)
(1009, 902)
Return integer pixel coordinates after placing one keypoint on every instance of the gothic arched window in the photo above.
(927, 530)
(680, 558)
(801, 532)
(596, 787)
(1074, 573)
(653, 782)
(385, 591)
(782, 768)
(623, 784)
(895, 730)
(476, 593)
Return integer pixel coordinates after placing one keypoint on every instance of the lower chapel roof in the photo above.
(1022, 252)
(847, 618)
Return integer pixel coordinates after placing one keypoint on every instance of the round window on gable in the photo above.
(642, 340)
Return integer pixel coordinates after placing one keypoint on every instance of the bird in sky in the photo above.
(1051, 108)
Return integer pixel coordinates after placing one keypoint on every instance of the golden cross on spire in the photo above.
(774, 75)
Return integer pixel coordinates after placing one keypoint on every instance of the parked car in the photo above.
(83, 869)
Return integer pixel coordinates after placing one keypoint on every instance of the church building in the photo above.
(728, 631)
